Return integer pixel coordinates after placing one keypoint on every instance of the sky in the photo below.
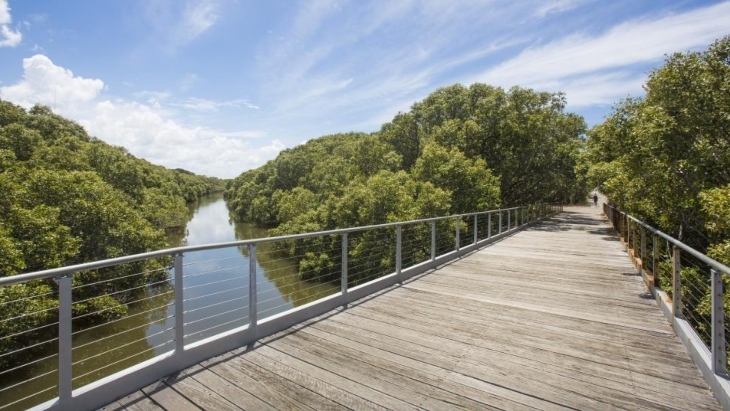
(218, 87)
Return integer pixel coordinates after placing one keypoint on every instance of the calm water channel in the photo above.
(216, 300)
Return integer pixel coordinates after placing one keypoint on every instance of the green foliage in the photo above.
(666, 157)
(69, 198)
(470, 181)
(460, 150)
(666, 160)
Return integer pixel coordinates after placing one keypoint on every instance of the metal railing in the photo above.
(693, 281)
(89, 333)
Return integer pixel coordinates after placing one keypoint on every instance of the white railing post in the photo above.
(458, 232)
(433, 240)
(252, 294)
(676, 283)
(489, 224)
(343, 279)
(179, 308)
(476, 237)
(719, 354)
(500, 222)
(65, 341)
(509, 217)
(398, 251)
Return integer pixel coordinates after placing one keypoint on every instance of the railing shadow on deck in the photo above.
(689, 287)
(565, 222)
(185, 322)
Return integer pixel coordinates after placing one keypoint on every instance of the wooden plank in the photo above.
(306, 380)
(407, 382)
(362, 391)
(553, 317)
(360, 373)
(477, 336)
(407, 350)
(168, 398)
(138, 402)
(241, 375)
(201, 395)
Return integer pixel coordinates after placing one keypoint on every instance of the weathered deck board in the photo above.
(553, 317)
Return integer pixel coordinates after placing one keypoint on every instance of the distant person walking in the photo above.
(595, 199)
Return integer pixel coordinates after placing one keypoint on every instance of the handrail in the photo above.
(688, 322)
(169, 252)
(698, 255)
(354, 284)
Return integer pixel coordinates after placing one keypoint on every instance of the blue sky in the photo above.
(221, 86)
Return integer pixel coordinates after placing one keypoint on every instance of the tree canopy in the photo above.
(460, 150)
(476, 148)
(666, 157)
(69, 198)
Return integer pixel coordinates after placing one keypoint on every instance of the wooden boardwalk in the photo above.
(550, 318)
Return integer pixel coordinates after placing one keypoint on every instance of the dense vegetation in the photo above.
(68, 198)
(459, 150)
(666, 159)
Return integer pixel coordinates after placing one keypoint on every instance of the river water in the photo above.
(216, 281)
(216, 300)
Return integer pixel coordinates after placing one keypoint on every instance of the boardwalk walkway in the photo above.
(553, 317)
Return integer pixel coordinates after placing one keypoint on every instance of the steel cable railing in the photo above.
(694, 282)
(70, 327)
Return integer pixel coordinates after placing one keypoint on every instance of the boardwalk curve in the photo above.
(552, 317)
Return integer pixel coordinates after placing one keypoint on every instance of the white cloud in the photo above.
(201, 104)
(577, 58)
(5, 13)
(45, 83)
(8, 37)
(557, 6)
(197, 17)
(176, 23)
(147, 130)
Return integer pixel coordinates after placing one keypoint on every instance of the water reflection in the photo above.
(216, 290)
(217, 281)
